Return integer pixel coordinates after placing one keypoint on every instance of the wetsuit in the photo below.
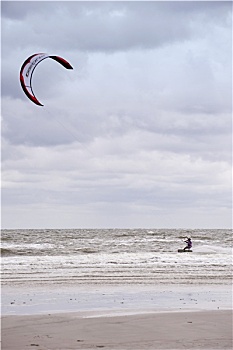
(189, 244)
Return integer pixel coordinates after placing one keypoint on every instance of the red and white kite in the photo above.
(27, 70)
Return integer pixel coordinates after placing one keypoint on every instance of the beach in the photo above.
(116, 317)
(165, 330)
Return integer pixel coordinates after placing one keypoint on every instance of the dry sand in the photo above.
(170, 330)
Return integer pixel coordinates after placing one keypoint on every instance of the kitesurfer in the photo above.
(189, 244)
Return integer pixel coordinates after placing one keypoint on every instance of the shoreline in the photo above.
(138, 331)
(31, 300)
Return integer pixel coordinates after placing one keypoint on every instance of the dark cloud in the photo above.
(105, 26)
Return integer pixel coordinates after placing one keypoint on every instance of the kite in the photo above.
(27, 70)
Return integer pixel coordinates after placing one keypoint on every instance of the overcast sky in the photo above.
(138, 134)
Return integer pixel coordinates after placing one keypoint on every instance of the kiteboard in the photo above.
(184, 251)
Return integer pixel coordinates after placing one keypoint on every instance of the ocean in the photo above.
(87, 259)
(115, 256)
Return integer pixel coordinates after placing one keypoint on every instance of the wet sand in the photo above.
(139, 331)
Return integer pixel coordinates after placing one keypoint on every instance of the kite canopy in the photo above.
(27, 70)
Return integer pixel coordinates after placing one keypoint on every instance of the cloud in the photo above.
(139, 133)
(107, 26)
